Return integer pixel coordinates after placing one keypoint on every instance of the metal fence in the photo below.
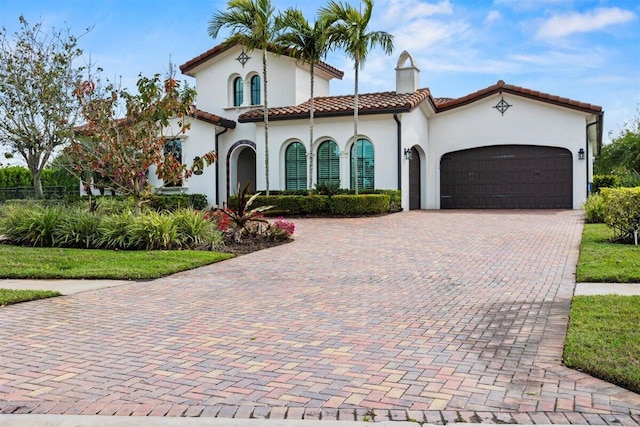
(50, 192)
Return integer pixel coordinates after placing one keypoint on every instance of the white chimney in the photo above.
(407, 74)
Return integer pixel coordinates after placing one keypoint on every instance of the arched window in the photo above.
(238, 87)
(328, 162)
(366, 165)
(295, 167)
(255, 90)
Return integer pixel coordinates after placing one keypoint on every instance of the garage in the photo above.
(507, 177)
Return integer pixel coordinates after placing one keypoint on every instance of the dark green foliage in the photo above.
(314, 204)
(604, 181)
(15, 176)
(16, 183)
(328, 188)
(362, 204)
(174, 202)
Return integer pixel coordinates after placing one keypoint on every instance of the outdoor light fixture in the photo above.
(581, 154)
(408, 153)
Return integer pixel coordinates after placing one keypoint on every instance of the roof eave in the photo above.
(299, 116)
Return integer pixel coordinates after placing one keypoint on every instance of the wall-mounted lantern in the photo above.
(581, 154)
(408, 153)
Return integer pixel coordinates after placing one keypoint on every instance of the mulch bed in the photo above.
(250, 244)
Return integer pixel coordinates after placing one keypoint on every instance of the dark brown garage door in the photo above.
(507, 177)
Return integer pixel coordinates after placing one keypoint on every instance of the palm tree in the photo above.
(252, 25)
(309, 44)
(348, 29)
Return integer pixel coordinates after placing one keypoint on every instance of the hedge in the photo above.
(604, 181)
(342, 204)
(174, 202)
(622, 211)
(362, 204)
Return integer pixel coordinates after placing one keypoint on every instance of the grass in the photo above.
(601, 261)
(55, 263)
(603, 338)
(14, 296)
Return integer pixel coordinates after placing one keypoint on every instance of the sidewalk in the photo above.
(68, 287)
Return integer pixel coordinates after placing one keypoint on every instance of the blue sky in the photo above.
(588, 50)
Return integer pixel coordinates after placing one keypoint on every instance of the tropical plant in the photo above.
(252, 25)
(308, 43)
(348, 29)
(38, 74)
(242, 219)
(622, 156)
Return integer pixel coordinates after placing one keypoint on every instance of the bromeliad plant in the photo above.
(243, 220)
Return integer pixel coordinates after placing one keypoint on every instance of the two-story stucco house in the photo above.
(503, 146)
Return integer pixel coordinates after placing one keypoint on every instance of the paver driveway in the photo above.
(424, 315)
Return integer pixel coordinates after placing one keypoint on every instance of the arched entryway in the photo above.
(247, 168)
(241, 167)
(415, 189)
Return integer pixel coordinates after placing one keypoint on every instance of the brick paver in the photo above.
(425, 315)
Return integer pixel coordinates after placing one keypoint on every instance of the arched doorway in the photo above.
(246, 165)
(415, 188)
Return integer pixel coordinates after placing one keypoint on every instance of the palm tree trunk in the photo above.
(355, 129)
(311, 114)
(266, 120)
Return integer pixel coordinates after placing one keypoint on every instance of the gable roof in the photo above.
(502, 87)
(334, 106)
(217, 50)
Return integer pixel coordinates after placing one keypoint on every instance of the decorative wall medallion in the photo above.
(502, 106)
(243, 58)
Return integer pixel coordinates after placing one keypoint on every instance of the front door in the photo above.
(247, 169)
(414, 180)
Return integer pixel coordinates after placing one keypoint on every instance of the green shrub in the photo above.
(594, 209)
(604, 181)
(363, 204)
(29, 225)
(195, 231)
(174, 202)
(76, 228)
(113, 231)
(328, 188)
(622, 211)
(153, 230)
(292, 205)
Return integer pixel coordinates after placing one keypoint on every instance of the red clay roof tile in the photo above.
(331, 106)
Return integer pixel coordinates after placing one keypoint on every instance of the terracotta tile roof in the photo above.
(217, 50)
(332, 106)
(502, 87)
(213, 119)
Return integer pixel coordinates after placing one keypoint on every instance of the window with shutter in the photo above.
(366, 165)
(238, 87)
(295, 167)
(255, 90)
(328, 162)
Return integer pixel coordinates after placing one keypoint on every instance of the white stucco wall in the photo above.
(415, 132)
(527, 122)
(379, 129)
(287, 83)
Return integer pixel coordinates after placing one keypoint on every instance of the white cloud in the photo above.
(492, 17)
(415, 9)
(522, 5)
(594, 20)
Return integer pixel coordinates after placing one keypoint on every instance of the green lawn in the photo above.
(13, 296)
(601, 261)
(603, 339)
(54, 263)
